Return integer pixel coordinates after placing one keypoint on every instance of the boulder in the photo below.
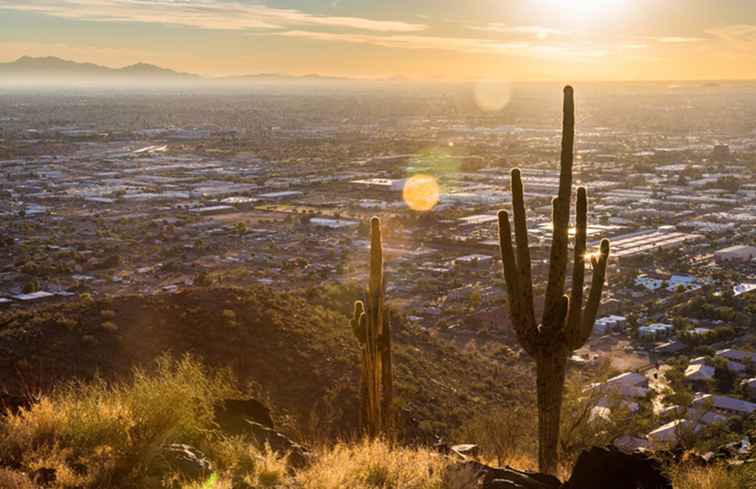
(44, 476)
(601, 468)
(466, 450)
(298, 456)
(188, 461)
(232, 415)
(474, 474)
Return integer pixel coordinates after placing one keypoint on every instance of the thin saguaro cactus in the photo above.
(371, 326)
(566, 324)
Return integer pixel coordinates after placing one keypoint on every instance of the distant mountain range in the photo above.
(52, 69)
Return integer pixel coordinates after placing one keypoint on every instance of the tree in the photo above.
(566, 325)
(724, 379)
(475, 297)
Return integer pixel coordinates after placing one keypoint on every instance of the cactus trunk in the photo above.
(372, 329)
(567, 322)
(550, 372)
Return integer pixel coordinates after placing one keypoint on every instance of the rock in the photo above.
(44, 476)
(474, 474)
(466, 450)
(601, 468)
(189, 461)
(232, 415)
(298, 456)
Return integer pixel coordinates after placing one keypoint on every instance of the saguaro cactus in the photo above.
(566, 324)
(372, 328)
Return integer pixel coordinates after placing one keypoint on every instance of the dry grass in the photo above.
(372, 465)
(116, 432)
(713, 477)
(108, 436)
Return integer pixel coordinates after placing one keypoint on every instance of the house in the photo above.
(669, 432)
(728, 406)
(627, 385)
(609, 323)
(750, 388)
(698, 373)
(655, 330)
(738, 355)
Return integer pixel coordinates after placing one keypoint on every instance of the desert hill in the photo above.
(297, 350)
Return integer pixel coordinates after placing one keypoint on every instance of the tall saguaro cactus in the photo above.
(566, 323)
(372, 328)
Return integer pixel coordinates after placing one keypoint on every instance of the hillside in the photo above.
(300, 354)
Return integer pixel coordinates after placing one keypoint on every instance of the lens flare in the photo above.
(492, 96)
(421, 192)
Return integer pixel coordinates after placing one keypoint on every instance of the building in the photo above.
(750, 388)
(699, 375)
(473, 262)
(738, 355)
(383, 184)
(724, 405)
(738, 253)
(333, 223)
(656, 330)
(609, 323)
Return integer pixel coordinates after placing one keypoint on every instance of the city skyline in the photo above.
(523, 40)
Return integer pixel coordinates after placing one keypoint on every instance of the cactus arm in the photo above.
(526, 333)
(594, 296)
(523, 250)
(578, 267)
(561, 218)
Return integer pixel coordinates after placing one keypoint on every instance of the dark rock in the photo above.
(232, 415)
(602, 468)
(189, 461)
(298, 456)
(493, 478)
(44, 476)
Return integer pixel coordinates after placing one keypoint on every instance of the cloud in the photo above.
(205, 14)
(736, 33)
(537, 31)
(678, 40)
(457, 44)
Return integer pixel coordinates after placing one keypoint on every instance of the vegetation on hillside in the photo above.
(100, 435)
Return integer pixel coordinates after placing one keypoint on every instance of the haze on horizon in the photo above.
(517, 40)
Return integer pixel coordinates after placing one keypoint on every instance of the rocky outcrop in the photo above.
(474, 474)
(600, 468)
(252, 419)
(188, 461)
(233, 415)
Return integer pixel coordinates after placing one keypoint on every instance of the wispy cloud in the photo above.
(678, 40)
(537, 31)
(458, 44)
(205, 14)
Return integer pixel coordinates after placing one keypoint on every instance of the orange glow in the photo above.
(421, 192)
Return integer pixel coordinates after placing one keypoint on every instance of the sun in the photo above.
(571, 11)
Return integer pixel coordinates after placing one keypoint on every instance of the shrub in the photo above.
(229, 318)
(110, 327)
(116, 431)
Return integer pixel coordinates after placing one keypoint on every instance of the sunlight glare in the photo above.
(492, 96)
(421, 192)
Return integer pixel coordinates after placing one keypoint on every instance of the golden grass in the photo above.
(101, 436)
(372, 465)
(713, 477)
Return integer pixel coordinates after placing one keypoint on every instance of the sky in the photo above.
(510, 40)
